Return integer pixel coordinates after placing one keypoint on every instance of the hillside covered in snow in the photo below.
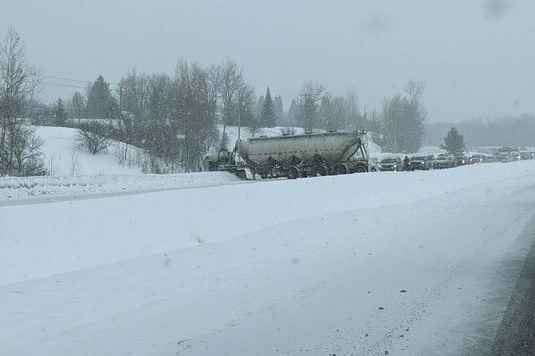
(63, 158)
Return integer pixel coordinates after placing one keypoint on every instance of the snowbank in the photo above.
(14, 189)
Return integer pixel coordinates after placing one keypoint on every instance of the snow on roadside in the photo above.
(313, 259)
(15, 189)
(369, 264)
(223, 206)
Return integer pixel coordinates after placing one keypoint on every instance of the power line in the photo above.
(66, 79)
(65, 85)
(69, 85)
(62, 78)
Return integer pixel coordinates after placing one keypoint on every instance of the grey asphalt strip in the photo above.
(516, 334)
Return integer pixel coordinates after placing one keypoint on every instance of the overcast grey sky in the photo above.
(476, 57)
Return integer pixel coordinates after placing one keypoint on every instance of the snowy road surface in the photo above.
(400, 264)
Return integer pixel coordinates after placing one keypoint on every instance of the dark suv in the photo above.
(390, 165)
(421, 163)
(443, 161)
(460, 159)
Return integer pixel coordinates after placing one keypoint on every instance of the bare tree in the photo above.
(93, 136)
(231, 82)
(228, 79)
(134, 92)
(28, 158)
(403, 120)
(77, 106)
(18, 83)
(245, 106)
(310, 97)
(196, 112)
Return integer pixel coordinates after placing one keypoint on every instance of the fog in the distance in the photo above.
(475, 57)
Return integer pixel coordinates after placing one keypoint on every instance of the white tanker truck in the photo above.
(294, 156)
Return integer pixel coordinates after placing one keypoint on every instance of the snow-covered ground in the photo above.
(370, 264)
(76, 174)
(63, 159)
(14, 190)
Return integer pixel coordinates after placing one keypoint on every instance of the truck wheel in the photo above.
(293, 173)
(361, 169)
(322, 170)
(341, 169)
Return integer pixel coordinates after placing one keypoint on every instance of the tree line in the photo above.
(504, 131)
(177, 118)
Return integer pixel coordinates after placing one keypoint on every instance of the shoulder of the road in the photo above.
(516, 334)
(90, 196)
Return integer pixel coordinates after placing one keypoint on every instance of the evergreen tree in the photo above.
(279, 109)
(259, 108)
(60, 115)
(454, 142)
(268, 117)
(100, 102)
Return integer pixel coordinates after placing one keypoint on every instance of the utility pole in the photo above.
(239, 127)
(186, 153)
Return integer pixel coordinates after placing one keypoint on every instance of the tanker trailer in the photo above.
(295, 156)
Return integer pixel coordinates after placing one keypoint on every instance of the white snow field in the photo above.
(63, 159)
(370, 264)
(76, 174)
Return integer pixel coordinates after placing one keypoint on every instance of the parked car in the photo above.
(442, 161)
(460, 159)
(477, 158)
(507, 154)
(503, 156)
(515, 156)
(526, 155)
(420, 163)
(390, 165)
(374, 165)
